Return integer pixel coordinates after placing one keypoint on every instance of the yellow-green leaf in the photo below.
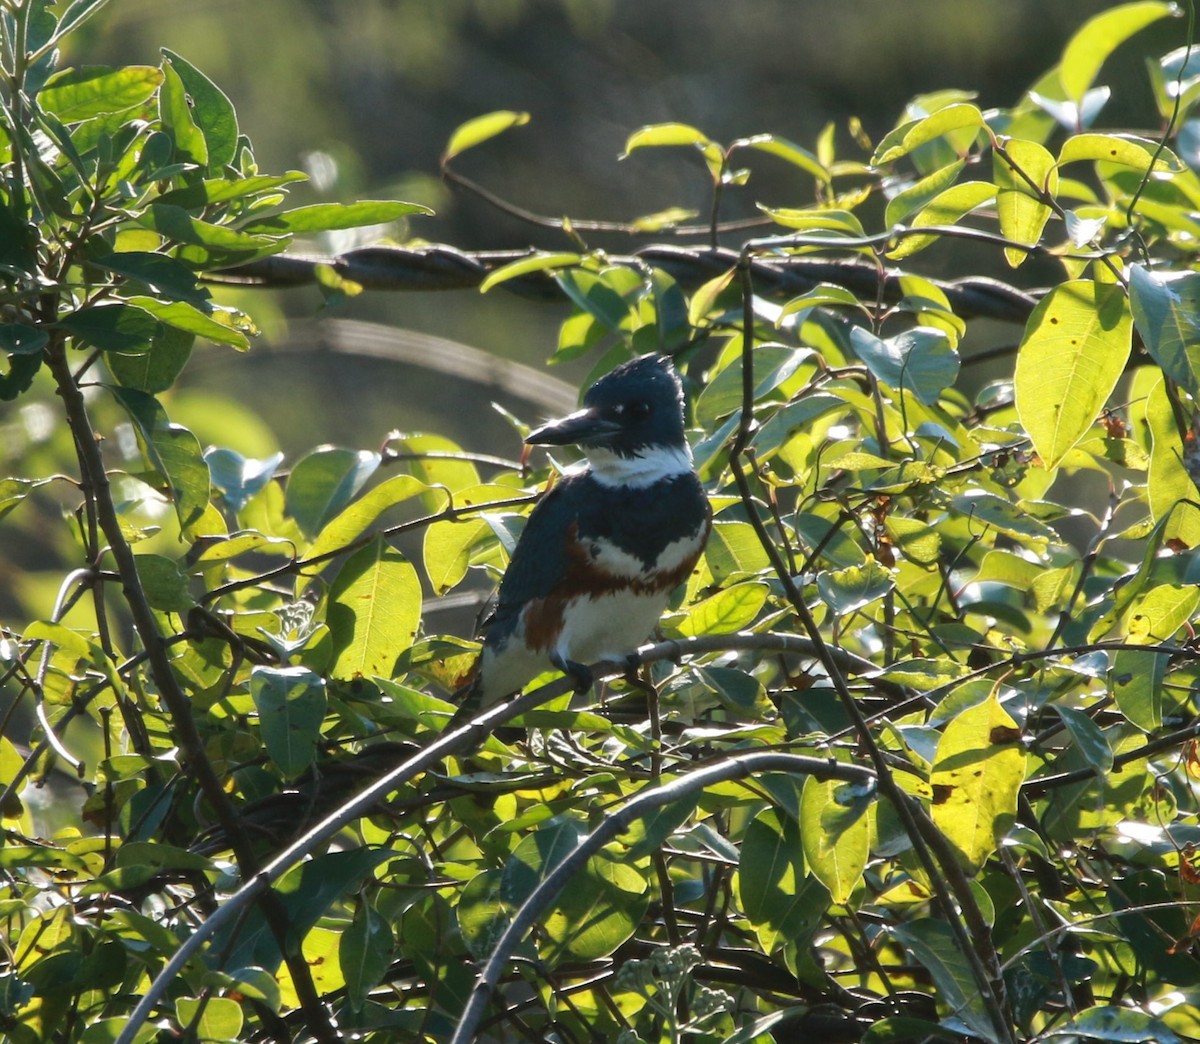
(1074, 351)
(1099, 37)
(725, 612)
(374, 611)
(353, 520)
(1023, 173)
(909, 136)
(921, 193)
(976, 776)
(835, 831)
(946, 208)
(1127, 150)
(539, 262)
(1168, 485)
(476, 131)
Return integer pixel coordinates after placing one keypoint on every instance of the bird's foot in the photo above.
(579, 673)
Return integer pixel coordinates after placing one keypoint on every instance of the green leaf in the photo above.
(725, 612)
(324, 482)
(841, 223)
(1126, 150)
(374, 611)
(1087, 736)
(162, 274)
(165, 586)
(1112, 1023)
(112, 327)
(1166, 314)
(1156, 615)
(933, 944)
(1168, 485)
(178, 225)
(306, 894)
(920, 360)
(1087, 50)
(353, 521)
(13, 491)
(734, 551)
(921, 193)
(648, 834)
(821, 295)
(787, 151)
(175, 115)
(19, 339)
(848, 590)
(910, 136)
(1074, 351)
(660, 134)
(325, 217)
(836, 833)
(447, 551)
(946, 208)
(364, 953)
(976, 777)
(173, 451)
(1023, 172)
(1136, 681)
(475, 132)
(538, 262)
(595, 913)
(80, 94)
(779, 900)
(704, 299)
(210, 1018)
(183, 316)
(212, 112)
(291, 707)
(205, 193)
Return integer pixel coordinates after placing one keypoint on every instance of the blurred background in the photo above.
(363, 95)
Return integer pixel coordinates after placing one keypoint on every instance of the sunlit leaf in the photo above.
(212, 111)
(1025, 173)
(1087, 50)
(374, 611)
(912, 135)
(475, 132)
(325, 217)
(173, 451)
(324, 482)
(1074, 351)
(835, 829)
(976, 776)
(80, 94)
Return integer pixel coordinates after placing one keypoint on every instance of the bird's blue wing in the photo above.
(539, 560)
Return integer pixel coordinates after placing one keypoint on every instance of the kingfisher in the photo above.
(604, 548)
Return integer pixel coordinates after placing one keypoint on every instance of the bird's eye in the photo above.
(639, 409)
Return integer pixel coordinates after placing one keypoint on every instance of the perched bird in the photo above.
(602, 551)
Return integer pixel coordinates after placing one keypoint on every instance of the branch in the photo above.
(442, 267)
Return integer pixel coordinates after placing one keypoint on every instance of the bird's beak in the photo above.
(579, 428)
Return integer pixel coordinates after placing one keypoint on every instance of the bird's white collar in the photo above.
(651, 465)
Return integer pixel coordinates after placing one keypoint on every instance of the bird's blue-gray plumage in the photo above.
(600, 554)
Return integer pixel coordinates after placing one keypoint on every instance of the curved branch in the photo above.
(617, 822)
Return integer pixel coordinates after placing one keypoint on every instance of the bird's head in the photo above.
(630, 426)
(633, 409)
